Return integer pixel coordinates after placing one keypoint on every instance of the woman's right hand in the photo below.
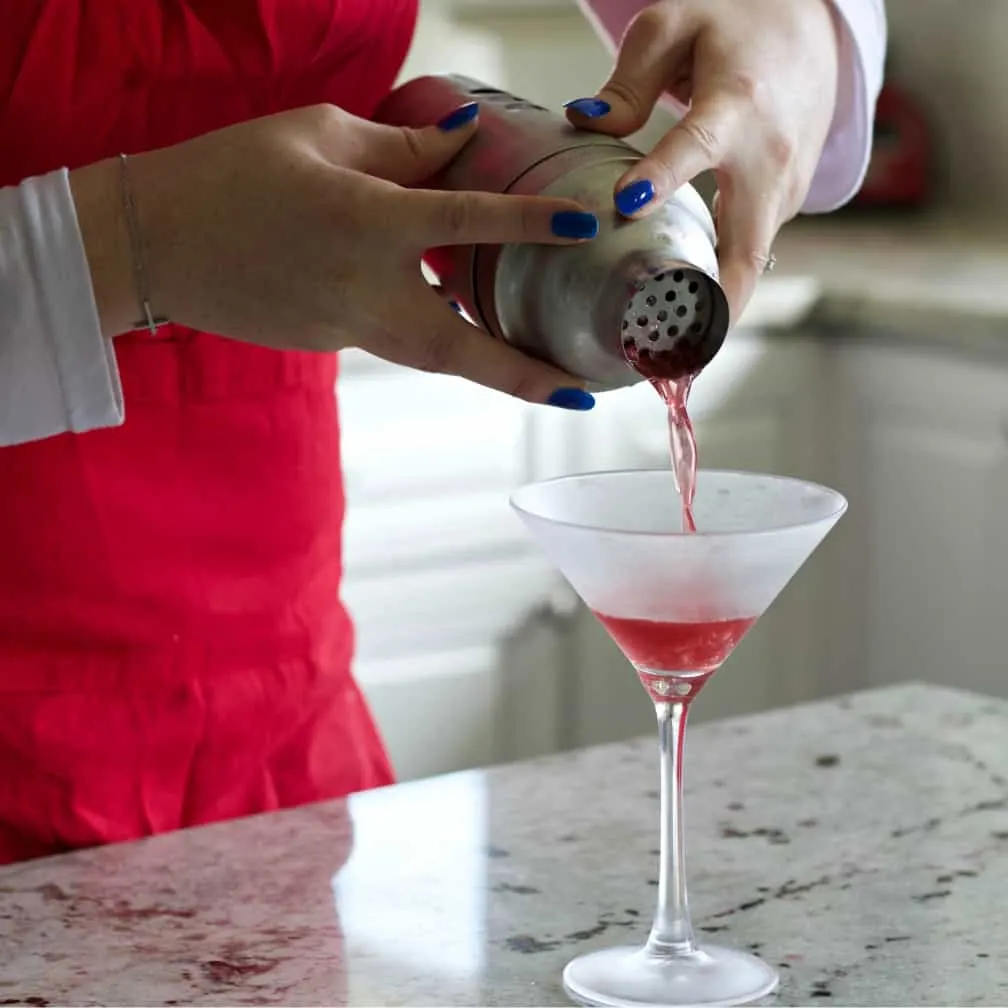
(299, 231)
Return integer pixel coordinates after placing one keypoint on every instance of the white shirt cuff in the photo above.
(57, 372)
(861, 57)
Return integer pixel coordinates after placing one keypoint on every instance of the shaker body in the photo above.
(590, 308)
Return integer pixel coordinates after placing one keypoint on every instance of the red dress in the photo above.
(173, 649)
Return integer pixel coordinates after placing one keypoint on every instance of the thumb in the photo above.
(654, 44)
(408, 156)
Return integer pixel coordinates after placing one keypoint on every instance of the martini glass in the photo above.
(676, 603)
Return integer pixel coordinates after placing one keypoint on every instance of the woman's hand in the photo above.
(760, 79)
(297, 231)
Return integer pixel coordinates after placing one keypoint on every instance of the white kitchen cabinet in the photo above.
(469, 646)
(922, 453)
(472, 651)
(447, 592)
(773, 423)
(443, 709)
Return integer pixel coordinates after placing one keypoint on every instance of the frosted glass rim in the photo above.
(771, 530)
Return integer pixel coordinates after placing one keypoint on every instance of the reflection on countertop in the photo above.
(861, 845)
(928, 274)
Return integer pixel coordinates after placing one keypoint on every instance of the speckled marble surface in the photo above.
(860, 844)
(932, 261)
(932, 279)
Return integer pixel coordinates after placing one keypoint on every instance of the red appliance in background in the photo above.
(900, 170)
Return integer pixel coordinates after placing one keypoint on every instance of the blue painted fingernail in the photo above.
(571, 399)
(462, 116)
(590, 108)
(634, 196)
(574, 224)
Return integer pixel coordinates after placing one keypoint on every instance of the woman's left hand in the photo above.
(760, 79)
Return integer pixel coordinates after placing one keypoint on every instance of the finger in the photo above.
(655, 43)
(747, 226)
(464, 218)
(442, 342)
(698, 142)
(409, 156)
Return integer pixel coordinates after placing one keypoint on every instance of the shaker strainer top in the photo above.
(668, 325)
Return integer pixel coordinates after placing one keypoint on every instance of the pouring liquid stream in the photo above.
(682, 441)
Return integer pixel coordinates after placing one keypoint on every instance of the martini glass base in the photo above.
(636, 978)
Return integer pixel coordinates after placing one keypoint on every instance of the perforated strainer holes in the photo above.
(665, 309)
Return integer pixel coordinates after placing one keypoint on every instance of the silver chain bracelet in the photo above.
(150, 321)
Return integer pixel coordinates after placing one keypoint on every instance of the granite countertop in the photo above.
(860, 844)
(933, 277)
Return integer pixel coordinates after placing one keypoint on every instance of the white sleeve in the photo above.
(844, 160)
(57, 372)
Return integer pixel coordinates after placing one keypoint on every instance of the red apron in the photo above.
(173, 649)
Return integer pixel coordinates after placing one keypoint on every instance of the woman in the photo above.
(172, 647)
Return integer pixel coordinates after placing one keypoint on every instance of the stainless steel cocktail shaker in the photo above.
(640, 300)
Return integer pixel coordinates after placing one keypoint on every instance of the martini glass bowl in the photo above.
(676, 603)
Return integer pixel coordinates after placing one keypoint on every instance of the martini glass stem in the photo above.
(672, 931)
